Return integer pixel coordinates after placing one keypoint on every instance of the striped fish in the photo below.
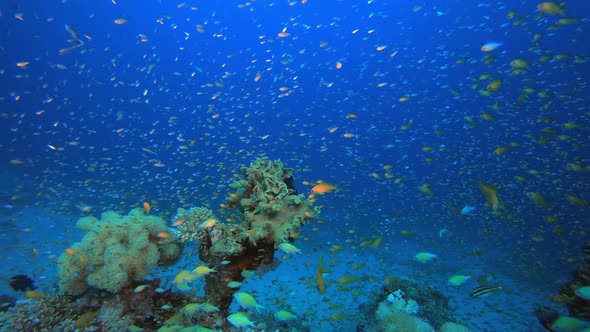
(484, 290)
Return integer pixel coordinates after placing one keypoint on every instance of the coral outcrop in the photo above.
(271, 212)
(115, 251)
(102, 278)
(577, 306)
(270, 206)
(129, 310)
(52, 313)
(411, 307)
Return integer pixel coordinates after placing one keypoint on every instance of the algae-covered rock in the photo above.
(115, 251)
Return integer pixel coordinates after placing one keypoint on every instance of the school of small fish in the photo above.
(495, 143)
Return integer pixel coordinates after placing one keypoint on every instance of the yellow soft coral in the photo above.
(114, 251)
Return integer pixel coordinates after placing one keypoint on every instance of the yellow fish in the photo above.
(319, 277)
(551, 8)
(202, 270)
(490, 192)
(247, 301)
(539, 200)
(289, 248)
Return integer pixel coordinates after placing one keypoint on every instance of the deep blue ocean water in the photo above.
(164, 101)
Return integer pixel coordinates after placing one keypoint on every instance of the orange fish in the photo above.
(22, 64)
(323, 188)
(178, 222)
(70, 251)
(208, 223)
(146, 208)
(163, 235)
(283, 33)
(120, 21)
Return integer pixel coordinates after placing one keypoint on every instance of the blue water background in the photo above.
(170, 120)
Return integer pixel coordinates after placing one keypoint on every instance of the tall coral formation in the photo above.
(271, 208)
(115, 251)
(271, 213)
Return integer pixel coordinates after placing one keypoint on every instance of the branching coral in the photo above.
(187, 223)
(116, 250)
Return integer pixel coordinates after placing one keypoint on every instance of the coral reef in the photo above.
(102, 277)
(577, 306)
(434, 306)
(224, 237)
(147, 309)
(270, 206)
(187, 223)
(52, 313)
(400, 301)
(411, 307)
(453, 327)
(391, 318)
(115, 251)
(546, 316)
(271, 212)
